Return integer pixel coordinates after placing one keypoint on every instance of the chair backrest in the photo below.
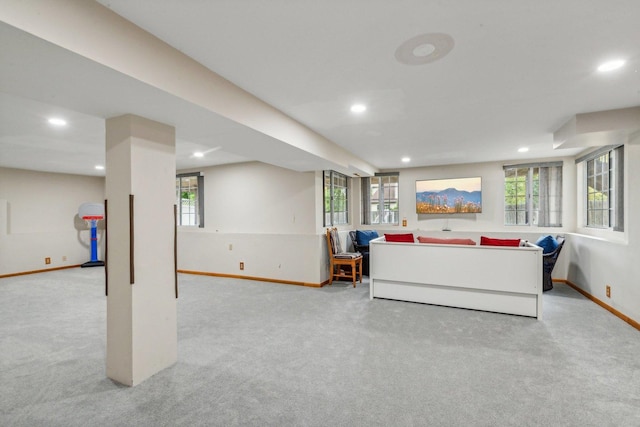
(550, 259)
(333, 241)
(354, 241)
(560, 241)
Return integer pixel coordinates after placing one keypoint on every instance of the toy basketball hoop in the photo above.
(92, 213)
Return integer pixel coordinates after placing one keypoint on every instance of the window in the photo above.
(604, 188)
(517, 186)
(380, 199)
(190, 199)
(533, 194)
(336, 198)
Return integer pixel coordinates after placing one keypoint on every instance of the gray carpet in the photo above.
(264, 354)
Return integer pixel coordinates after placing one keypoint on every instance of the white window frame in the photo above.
(604, 180)
(528, 206)
(335, 198)
(380, 192)
(188, 214)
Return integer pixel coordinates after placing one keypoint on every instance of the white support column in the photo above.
(141, 301)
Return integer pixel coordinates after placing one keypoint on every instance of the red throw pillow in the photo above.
(408, 237)
(425, 239)
(488, 241)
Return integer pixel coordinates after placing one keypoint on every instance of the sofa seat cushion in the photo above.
(347, 255)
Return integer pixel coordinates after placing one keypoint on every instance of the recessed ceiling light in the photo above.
(523, 149)
(99, 167)
(198, 154)
(406, 159)
(611, 65)
(55, 121)
(358, 108)
(424, 48)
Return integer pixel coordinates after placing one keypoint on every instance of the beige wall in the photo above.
(38, 219)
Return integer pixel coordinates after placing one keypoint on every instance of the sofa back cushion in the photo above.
(488, 241)
(404, 238)
(547, 243)
(426, 239)
(363, 237)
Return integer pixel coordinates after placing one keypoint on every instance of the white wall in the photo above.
(596, 259)
(492, 217)
(284, 257)
(38, 219)
(259, 198)
(263, 216)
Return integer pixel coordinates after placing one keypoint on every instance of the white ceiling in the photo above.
(517, 72)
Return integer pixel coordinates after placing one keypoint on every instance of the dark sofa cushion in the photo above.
(547, 243)
(363, 237)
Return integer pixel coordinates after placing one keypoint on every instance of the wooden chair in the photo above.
(338, 259)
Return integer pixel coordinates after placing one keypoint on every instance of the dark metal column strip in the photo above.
(131, 245)
(106, 249)
(175, 246)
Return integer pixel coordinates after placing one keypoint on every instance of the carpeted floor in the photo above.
(265, 354)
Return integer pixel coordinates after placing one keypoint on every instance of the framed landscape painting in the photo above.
(449, 196)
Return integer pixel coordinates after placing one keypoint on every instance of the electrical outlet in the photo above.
(230, 247)
(64, 258)
(608, 291)
(242, 266)
(47, 260)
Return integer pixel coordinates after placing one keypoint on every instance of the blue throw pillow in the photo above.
(364, 236)
(548, 244)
